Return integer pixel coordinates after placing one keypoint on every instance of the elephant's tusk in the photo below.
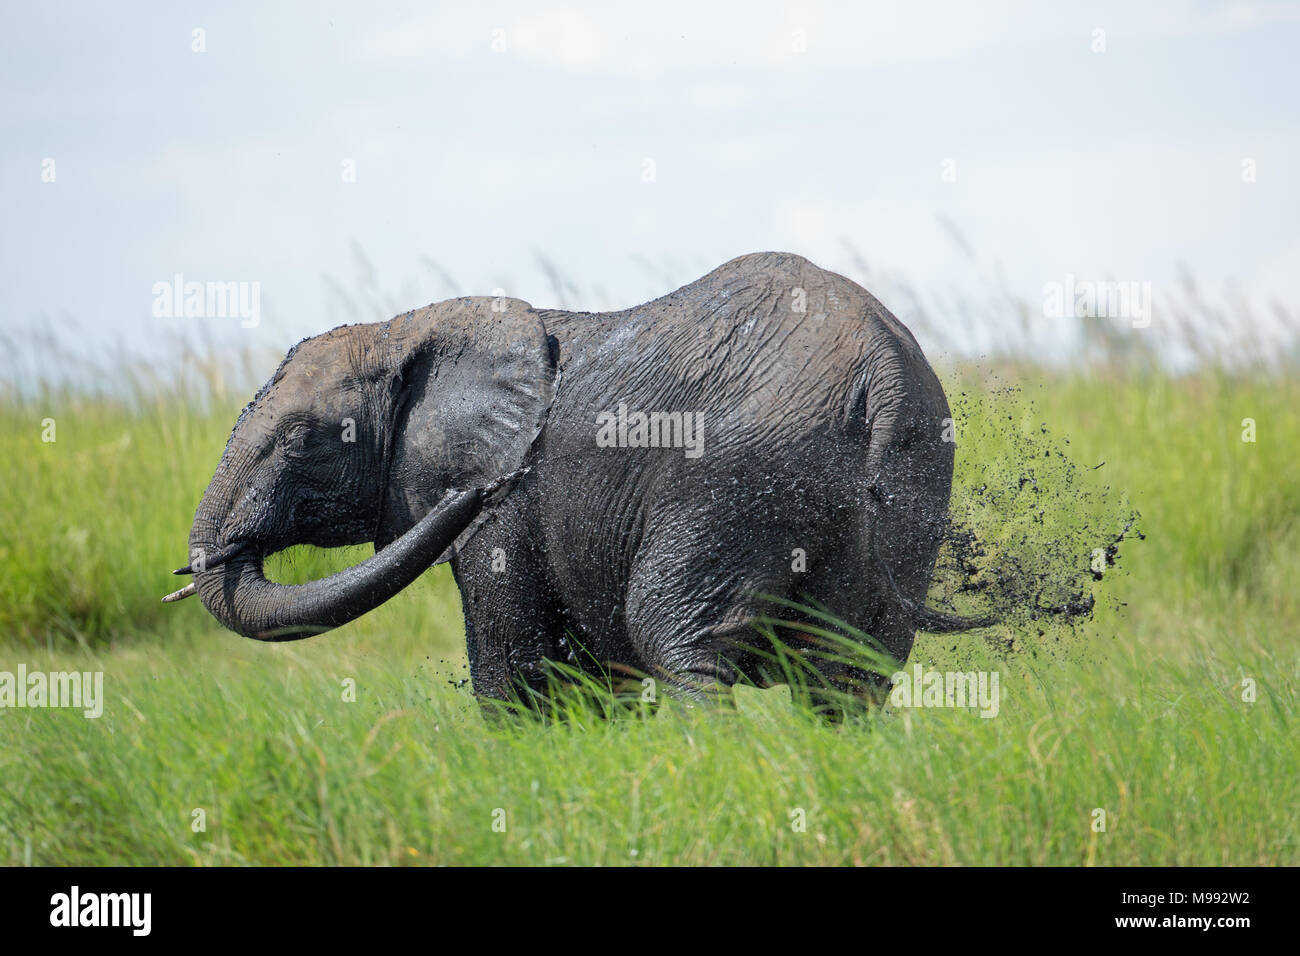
(188, 591)
(216, 560)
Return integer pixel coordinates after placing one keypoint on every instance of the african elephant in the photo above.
(618, 487)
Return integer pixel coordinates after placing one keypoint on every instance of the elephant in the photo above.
(627, 490)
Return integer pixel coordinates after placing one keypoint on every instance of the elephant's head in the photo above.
(396, 432)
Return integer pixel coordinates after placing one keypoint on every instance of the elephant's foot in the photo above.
(839, 700)
(705, 690)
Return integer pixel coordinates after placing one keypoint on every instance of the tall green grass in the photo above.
(285, 771)
(1138, 712)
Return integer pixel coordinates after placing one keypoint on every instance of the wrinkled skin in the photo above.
(823, 436)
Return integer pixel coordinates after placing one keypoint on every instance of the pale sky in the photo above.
(485, 134)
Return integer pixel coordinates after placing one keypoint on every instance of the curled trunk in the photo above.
(239, 595)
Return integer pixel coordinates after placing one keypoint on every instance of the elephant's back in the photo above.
(768, 338)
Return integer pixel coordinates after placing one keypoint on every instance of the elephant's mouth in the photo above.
(231, 550)
(221, 557)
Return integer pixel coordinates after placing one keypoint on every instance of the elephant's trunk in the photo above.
(238, 594)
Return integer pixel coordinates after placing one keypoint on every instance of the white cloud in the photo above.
(564, 37)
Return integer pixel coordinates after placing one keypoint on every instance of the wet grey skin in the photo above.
(478, 431)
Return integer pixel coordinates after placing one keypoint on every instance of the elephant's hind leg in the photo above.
(698, 636)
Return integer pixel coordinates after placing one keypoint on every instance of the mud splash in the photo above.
(1033, 533)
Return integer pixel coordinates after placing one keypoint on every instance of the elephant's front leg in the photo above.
(512, 626)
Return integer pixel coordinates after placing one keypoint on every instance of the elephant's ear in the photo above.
(474, 382)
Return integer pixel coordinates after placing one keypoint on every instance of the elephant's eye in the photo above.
(293, 437)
